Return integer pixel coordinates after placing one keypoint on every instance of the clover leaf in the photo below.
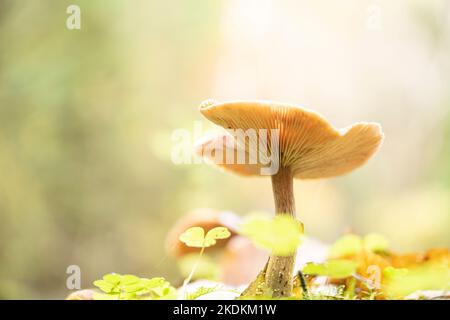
(335, 269)
(109, 283)
(216, 234)
(130, 287)
(195, 236)
(281, 234)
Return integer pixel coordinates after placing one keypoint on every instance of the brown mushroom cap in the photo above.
(308, 143)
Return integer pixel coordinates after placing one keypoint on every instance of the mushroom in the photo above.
(306, 147)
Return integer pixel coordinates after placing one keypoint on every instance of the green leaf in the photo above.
(376, 242)
(349, 244)
(215, 234)
(129, 279)
(112, 278)
(105, 286)
(166, 292)
(401, 282)
(153, 282)
(193, 237)
(134, 288)
(130, 287)
(200, 291)
(391, 272)
(281, 235)
(336, 269)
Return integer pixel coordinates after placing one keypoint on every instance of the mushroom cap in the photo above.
(308, 143)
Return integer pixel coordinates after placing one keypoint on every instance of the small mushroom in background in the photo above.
(222, 251)
(308, 147)
(236, 264)
(205, 218)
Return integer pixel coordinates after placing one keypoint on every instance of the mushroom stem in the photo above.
(280, 268)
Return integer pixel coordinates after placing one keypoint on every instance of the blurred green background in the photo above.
(86, 119)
